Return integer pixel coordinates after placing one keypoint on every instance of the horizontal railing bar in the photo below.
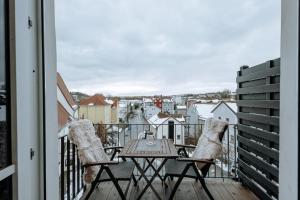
(7, 171)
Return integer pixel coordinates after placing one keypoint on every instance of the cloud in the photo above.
(162, 47)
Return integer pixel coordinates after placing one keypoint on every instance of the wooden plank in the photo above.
(258, 177)
(259, 103)
(259, 89)
(244, 70)
(254, 188)
(185, 191)
(263, 149)
(263, 66)
(259, 154)
(262, 96)
(259, 74)
(273, 137)
(239, 192)
(271, 120)
(258, 163)
(252, 83)
(189, 189)
(262, 111)
(259, 140)
(200, 192)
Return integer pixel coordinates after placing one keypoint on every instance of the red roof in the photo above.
(97, 100)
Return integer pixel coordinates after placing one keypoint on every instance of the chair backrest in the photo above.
(90, 148)
(210, 142)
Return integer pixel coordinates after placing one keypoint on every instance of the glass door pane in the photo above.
(5, 136)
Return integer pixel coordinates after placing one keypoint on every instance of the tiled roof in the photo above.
(97, 100)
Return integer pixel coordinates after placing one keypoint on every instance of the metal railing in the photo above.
(70, 170)
(120, 134)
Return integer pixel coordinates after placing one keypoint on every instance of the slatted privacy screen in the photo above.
(258, 128)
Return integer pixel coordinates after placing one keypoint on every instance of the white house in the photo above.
(123, 109)
(180, 110)
(178, 99)
(227, 111)
(168, 126)
(168, 106)
(150, 109)
(196, 115)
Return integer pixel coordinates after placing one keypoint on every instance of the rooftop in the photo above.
(97, 99)
(204, 110)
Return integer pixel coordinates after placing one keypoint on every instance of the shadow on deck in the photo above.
(189, 189)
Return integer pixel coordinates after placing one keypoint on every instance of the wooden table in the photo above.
(163, 149)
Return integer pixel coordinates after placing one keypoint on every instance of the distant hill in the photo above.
(78, 96)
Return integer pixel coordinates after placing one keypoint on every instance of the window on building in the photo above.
(178, 137)
(227, 119)
(219, 118)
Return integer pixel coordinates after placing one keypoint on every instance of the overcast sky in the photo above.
(141, 47)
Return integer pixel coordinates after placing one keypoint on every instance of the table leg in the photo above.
(154, 169)
(152, 179)
(149, 165)
(149, 182)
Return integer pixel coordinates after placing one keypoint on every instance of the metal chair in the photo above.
(208, 148)
(97, 165)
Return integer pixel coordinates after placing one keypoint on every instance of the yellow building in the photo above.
(115, 112)
(99, 110)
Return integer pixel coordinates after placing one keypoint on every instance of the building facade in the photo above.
(99, 110)
(168, 126)
(227, 111)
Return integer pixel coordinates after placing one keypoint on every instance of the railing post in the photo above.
(68, 169)
(62, 167)
(73, 170)
(78, 172)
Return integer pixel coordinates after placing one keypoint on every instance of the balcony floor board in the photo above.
(189, 189)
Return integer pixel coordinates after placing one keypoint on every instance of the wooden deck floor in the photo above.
(188, 190)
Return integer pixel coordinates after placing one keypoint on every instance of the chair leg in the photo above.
(178, 182)
(115, 182)
(202, 181)
(94, 184)
(134, 180)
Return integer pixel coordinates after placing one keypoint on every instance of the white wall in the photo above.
(168, 107)
(289, 96)
(151, 111)
(224, 112)
(163, 131)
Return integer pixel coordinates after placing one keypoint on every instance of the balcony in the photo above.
(222, 177)
(250, 149)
